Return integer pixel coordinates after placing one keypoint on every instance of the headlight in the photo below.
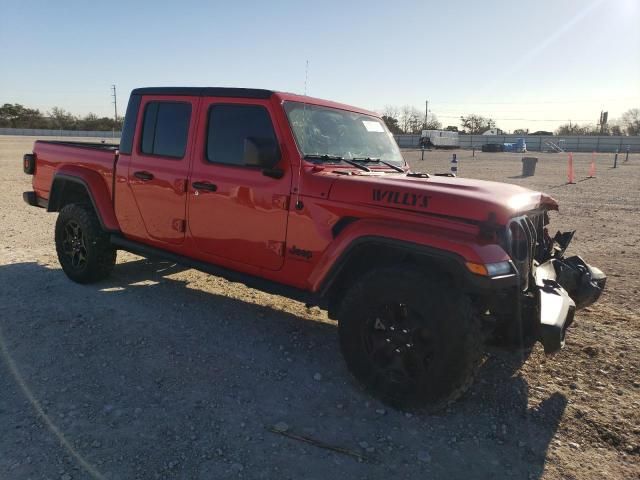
(490, 269)
(500, 268)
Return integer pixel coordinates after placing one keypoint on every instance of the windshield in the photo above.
(340, 133)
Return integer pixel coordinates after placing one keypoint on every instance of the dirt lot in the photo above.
(162, 372)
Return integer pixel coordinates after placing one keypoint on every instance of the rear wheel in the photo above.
(84, 250)
(408, 339)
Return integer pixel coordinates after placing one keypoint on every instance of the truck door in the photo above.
(235, 211)
(160, 163)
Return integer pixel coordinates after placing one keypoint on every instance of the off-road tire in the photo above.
(442, 326)
(84, 250)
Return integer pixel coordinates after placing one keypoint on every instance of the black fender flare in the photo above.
(56, 196)
(447, 262)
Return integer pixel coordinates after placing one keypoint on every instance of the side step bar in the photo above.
(251, 281)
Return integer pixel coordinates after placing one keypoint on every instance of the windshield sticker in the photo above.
(401, 198)
(372, 126)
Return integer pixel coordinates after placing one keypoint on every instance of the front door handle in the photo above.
(143, 175)
(204, 186)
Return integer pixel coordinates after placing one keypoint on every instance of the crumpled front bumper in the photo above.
(564, 286)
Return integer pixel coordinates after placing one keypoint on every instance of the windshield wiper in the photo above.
(377, 160)
(335, 158)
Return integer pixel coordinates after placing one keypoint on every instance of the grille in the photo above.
(522, 239)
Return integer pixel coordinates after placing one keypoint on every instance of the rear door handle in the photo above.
(204, 186)
(143, 175)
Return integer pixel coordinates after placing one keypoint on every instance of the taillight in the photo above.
(29, 163)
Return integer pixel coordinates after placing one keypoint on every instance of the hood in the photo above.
(465, 198)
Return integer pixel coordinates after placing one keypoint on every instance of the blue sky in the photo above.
(543, 61)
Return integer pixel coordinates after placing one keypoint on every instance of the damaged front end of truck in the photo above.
(551, 287)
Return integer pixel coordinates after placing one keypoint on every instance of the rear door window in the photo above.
(165, 129)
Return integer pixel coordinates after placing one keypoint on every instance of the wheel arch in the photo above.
(369, 252)
(77, 187)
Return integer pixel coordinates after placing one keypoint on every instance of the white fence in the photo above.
(535, 143)
(40, 132)
(539, 143)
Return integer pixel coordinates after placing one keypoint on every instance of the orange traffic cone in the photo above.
(570, 169)
(592, 167)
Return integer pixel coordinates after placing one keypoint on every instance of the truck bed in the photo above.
(93, 145)
(63, 155)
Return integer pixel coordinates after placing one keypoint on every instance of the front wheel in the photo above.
(84, 250)
(408, 338)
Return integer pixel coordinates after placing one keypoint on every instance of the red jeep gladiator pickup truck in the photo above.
(312, 199)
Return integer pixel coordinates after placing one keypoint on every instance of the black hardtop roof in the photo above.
(205, 92)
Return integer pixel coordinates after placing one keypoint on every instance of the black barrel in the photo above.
(529, 166)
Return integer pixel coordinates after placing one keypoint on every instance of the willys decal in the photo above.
(401, 198)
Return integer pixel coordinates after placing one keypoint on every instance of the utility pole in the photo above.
(426, 113)
(600, 122)
(115, 103)
(604, 117)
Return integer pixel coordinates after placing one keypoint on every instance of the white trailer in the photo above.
(439, 139)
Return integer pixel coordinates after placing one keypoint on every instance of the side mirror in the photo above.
(261, 152)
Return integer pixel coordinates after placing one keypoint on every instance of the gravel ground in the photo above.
(164, 372)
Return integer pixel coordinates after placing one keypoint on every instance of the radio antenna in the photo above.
(299, 204)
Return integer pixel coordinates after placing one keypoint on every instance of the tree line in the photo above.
(410, 120)
(627, 124)
(405, 119)
(18, 116)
